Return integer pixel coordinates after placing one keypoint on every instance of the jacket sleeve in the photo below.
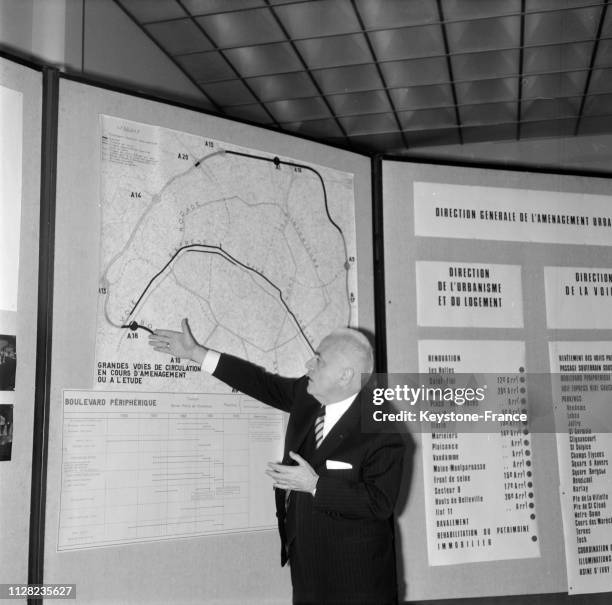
(252, 380)
(375, 494)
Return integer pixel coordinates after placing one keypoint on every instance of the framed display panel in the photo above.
(438, 248)
(131, 172)
(20, 181)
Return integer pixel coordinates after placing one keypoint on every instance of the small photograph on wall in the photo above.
(8, 362)
(6, 431)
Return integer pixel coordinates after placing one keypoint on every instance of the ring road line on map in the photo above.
(276, 161)
(217, 250)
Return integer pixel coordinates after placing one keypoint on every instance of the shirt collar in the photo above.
(334, 411)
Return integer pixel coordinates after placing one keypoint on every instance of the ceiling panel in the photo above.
(486, 34)
(604, 54)
(476, 9)
(415, 72)
(422, 97)
(561, 26)
(146, 11)
(591, 125)
(601, 81)
(487, 91)
(348, 79)
(425, 119)
(315, 128)
(299, 109)
(488, 113)
(598, 105)
(283, 86)
(437, 136)
(242, 28)
(206, 67)
(206, 7)
(477, 134)
(336, 51)
(549, 5)
(278, 2)
(607, 25)
(323, 18)
(386, 140)
(384, 122)
(554, 85)
(359, 103)
(253, 61)
(396, 13)
(377, 75)
(548, 128)
(252, 113)
(558, 57)
(229, 92)
(179, 36)
(474, 66)
(541, 109)
(408, 43)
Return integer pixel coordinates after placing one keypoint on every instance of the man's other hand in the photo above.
(300, 478)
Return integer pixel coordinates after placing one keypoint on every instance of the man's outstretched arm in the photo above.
(244, 376)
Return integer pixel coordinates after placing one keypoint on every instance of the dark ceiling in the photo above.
(386, 75)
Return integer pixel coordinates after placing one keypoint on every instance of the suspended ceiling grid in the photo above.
(385, 75)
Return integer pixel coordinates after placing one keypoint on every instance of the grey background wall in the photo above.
(15, 475)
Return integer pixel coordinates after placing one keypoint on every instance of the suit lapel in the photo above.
(346, 424)
(301, 422)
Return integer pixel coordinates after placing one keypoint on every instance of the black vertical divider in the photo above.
(378, 246)
(46, 249)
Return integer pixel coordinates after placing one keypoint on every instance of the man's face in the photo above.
(325, 371)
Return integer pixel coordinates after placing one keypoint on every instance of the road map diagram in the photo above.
(257, 250)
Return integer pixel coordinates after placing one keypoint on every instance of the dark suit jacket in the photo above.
(340, 542)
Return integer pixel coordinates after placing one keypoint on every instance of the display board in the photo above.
(263, 241)
(485, 269)
(20, 153)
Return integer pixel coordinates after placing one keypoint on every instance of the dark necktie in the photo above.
(318, 427)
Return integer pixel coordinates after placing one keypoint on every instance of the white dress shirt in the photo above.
(335, 411)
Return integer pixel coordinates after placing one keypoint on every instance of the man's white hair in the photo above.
(356, 347)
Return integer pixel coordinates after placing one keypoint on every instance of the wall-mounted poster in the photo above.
(506, 214)
(453, 294)
(159, 466)
(8, 362)
(582, 391)
(578, 298)
(258, 251)
(6, 431)
(479, 484)
(11, 141)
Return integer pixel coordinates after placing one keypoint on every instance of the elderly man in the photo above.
(337, 485)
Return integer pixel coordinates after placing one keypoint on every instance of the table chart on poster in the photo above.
(139, 467)
(582, 383)
(479, 483)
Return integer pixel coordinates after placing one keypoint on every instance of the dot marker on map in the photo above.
(347, 265)
(133, 326)
(277, 161)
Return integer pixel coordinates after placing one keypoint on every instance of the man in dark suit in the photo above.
(337, 485)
